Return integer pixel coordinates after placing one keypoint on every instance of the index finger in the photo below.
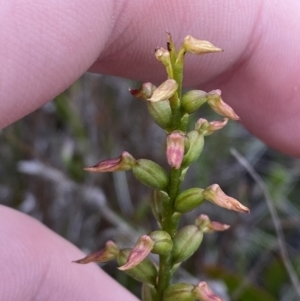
(48, 46)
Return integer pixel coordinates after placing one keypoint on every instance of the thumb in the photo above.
(36, 265)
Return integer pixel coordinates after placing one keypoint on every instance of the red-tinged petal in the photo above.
(175, 149)
(207, 128)
(204, 224)
(122, 163)
(216, 226)
(219, 106)
(141, 250)
(215, 195)
(204, 293)
(144, 92)
(109, 252)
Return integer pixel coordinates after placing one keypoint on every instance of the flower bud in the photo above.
(219, 106)
(207, 128)
(196, 46)
(141, 250)
(193, 100)
(203, 292)
(150, 174)
(144, 92)
(158, 198)
(148, 292)
(175, 148)
(163, 55)
(164, 91)
(196, 143)
(189, 200)
(144, 271)
(186, 243)
(206, 225)
(161, 113)
(110, 252)
(122, 163)
(215, 195)
(179, 292)
(163, 243)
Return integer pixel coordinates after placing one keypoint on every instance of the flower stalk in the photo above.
(171, 111)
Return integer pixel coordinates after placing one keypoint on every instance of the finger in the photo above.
(258, 71)
(36, 265)
(252, 34)
(45, 47)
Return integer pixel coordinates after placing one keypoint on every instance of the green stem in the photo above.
(164, 276)
(169, 225)
(174, 185)
(175, 99)
(178, 76)
(176, 112)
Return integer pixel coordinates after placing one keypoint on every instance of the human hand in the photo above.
(36, 265)
(46, 46)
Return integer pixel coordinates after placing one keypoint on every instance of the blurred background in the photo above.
(41, 174)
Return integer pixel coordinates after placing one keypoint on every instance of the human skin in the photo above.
(46, 45)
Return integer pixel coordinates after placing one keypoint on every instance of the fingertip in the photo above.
(36, 263)
(46, 46)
